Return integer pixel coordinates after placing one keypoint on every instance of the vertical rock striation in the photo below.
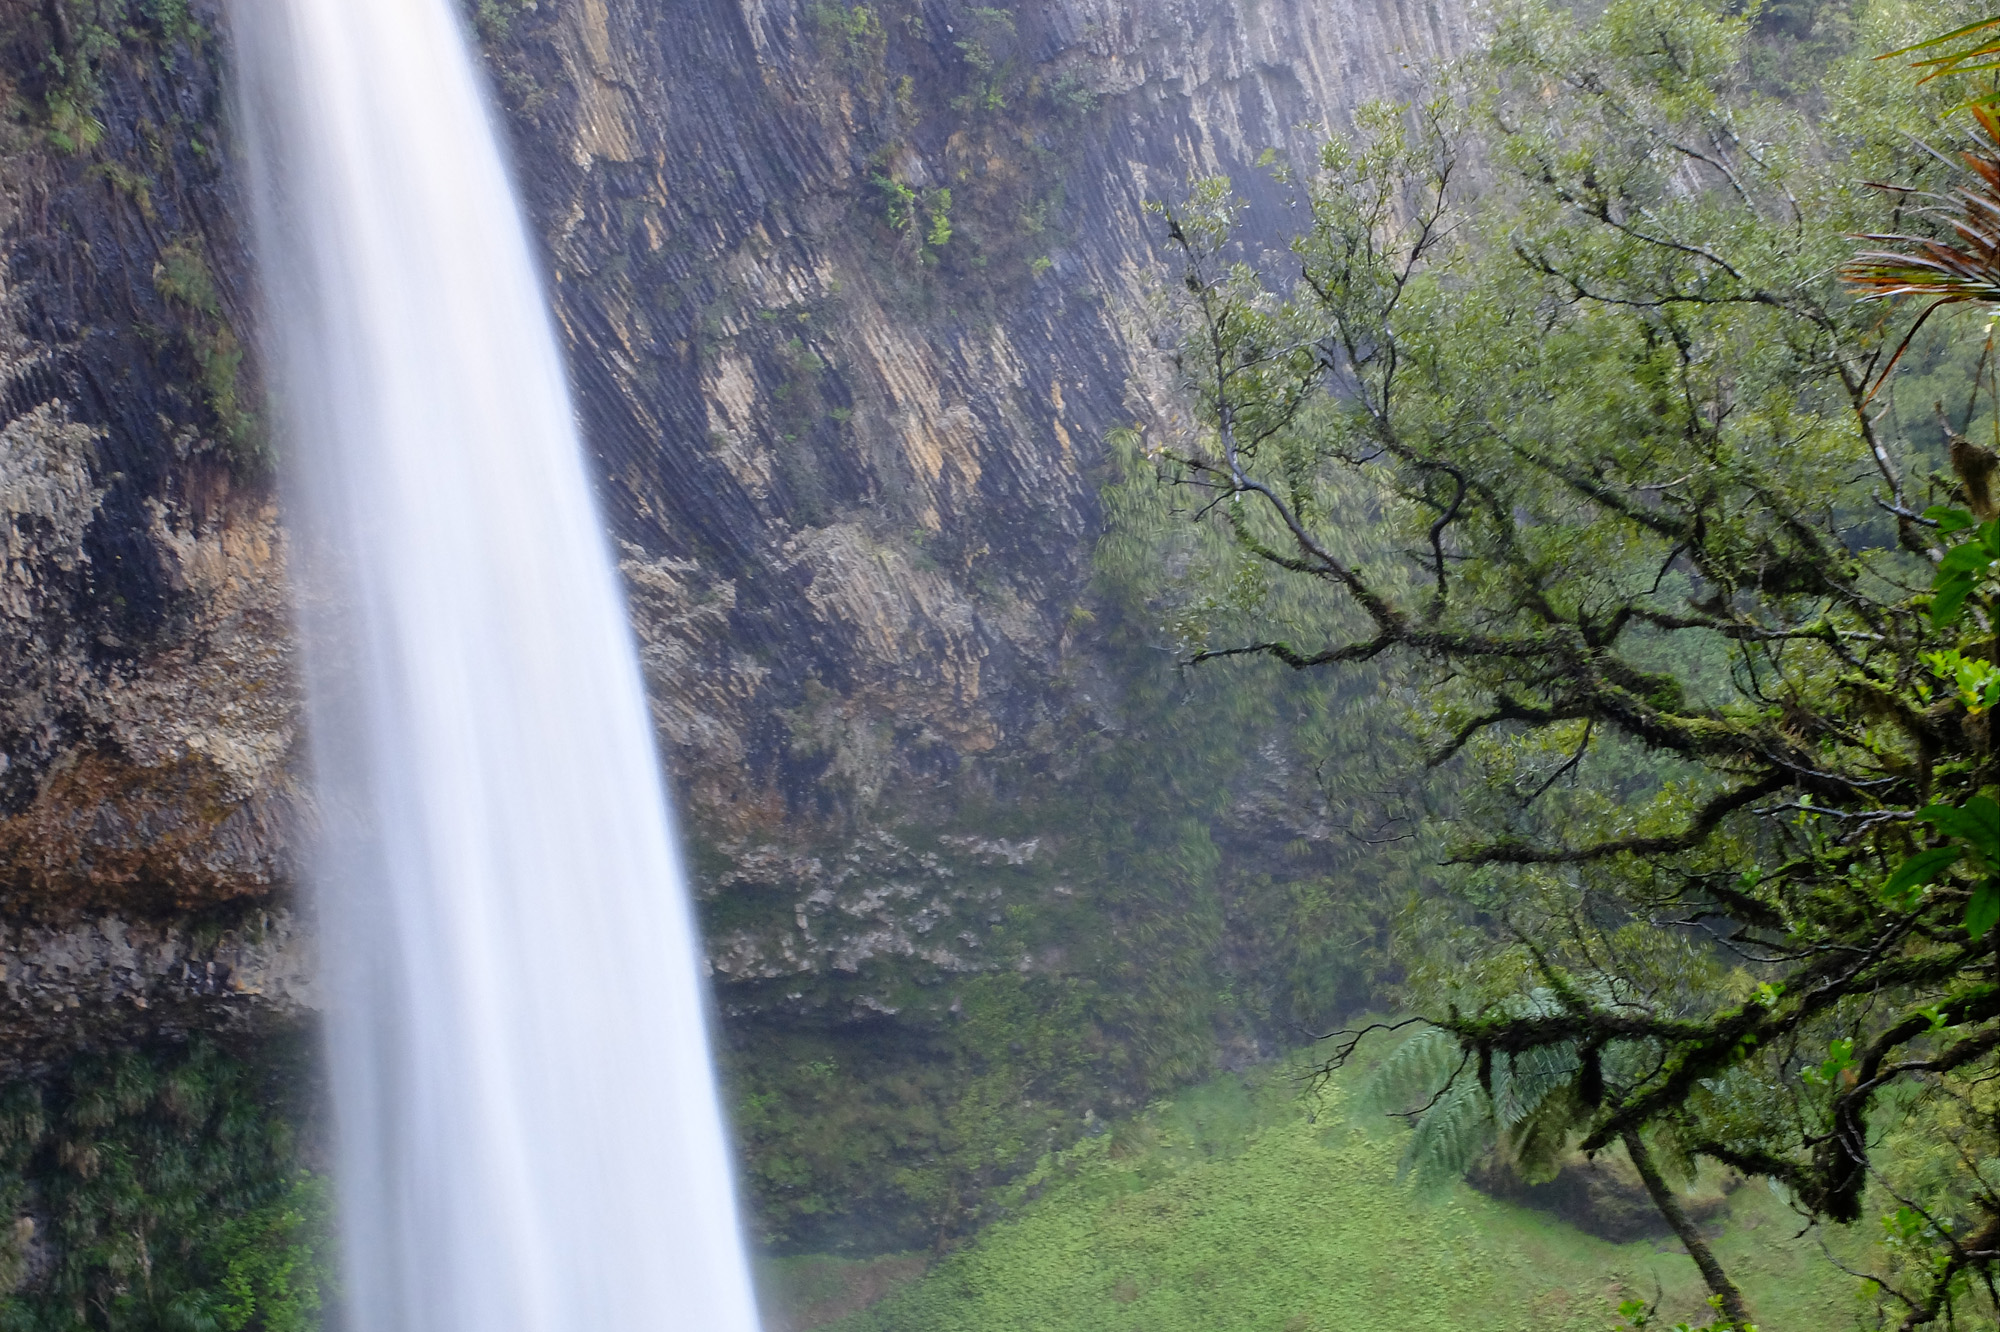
(853, 472)
(851, 459)
(146, 697)
(853, 294)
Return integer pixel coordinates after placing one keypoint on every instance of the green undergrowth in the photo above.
(889, 1136)
(1240, 1206)
(162, 1188)
(1119, 959)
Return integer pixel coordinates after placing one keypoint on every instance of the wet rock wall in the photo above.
(853, 293)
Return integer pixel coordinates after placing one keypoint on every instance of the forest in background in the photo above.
(1574, 405)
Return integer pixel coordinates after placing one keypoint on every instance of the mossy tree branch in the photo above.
(1590, 460)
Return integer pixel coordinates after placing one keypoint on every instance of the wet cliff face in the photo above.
(146, 701)
(853, 293)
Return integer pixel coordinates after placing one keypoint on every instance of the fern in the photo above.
(1521, 1083)
(1530, 1111)
(1451, 1135)
(1414, 1072)
(1539, 1142)
(1430, 1078)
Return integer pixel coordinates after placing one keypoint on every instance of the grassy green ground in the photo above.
(1229, 1209)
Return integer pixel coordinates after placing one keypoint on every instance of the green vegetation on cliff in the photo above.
(1143, 935)
(975, 117)
(128, 92)
(162, 1190)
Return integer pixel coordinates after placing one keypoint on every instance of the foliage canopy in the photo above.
(1568, 416)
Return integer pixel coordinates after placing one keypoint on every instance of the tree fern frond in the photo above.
(1414, 1073)
(1452, 1135)
(1533, 1104)
(1522, 1082)
(1540, 1142)
(1429, 1078)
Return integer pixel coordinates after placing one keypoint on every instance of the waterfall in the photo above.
(528, 1132)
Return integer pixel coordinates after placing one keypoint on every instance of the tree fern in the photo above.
(1528, 1106)
(1452, 1135)
(1415, 1072)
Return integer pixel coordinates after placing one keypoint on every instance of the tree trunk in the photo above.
(1728, 1295)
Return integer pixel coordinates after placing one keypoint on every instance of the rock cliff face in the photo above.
(147, 708)
(853, 293)
(855, 471)
(98, 980)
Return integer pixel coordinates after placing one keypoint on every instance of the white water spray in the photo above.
(529, 1135)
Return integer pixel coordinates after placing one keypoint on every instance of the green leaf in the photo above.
(1978, 26)
(1976, 821)
(1949, 519)
(1949, 598)
(1920, 869)
(1840, 1058)
(1968, 558)
(1983, 910)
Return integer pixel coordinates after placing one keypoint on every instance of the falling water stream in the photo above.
(529, 1137)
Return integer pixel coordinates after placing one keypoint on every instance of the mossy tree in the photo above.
(1586, 449)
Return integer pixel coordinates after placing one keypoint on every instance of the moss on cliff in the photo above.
(966, 131)
(162, 1187)
(129, 92)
